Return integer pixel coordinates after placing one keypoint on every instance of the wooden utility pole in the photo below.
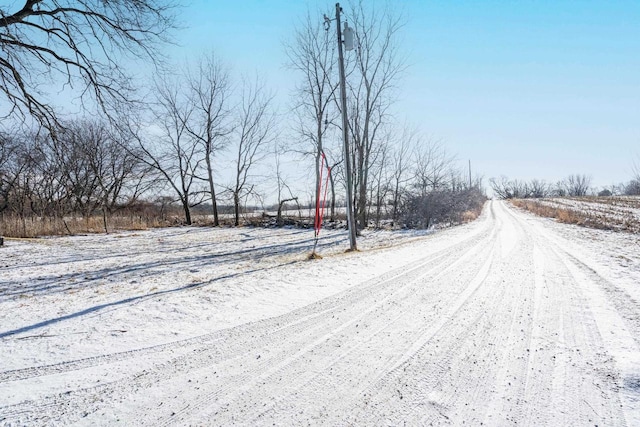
(345, 136)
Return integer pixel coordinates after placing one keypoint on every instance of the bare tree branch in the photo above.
(77, 45)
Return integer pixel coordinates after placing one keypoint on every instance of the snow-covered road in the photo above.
(510, 320)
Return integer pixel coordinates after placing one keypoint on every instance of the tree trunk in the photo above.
(236, 209)
(279, 222)
(212, 190)
(280, 204)
(378, 205)
(104, 220)
(396, 201)
(318, 164)
(187, 211)
(333, 198)
(361, 205)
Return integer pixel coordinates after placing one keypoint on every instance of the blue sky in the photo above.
(522, 88)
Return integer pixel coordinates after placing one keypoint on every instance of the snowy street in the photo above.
(508, 320)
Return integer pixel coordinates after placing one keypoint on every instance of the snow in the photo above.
(509, 319)
(164, 284)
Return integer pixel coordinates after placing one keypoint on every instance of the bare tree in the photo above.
(559, 189)
(72, 162)
(313, 55)
(255, 130)
(433, 166)
(500, 187)
(632, 188)
(400, 162)
(509, 189)
(209, 122)
(334, 172)
(577, 185)
(380, 188)
(9, 148)
(75, 44)
(85, 170)
(119, 174)
(378, 65)
(13, 162)
(281, 184)
(52, 192)
(538, 189)
(169, 149)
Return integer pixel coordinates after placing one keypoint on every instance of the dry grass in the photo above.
(30, 227)
(472, 215)
(14, 226)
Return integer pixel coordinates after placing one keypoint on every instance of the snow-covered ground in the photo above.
(509, 319)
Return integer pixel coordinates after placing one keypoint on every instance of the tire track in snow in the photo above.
(329, 356)
(271, 367)
(323, 376)
(615, 347)
(51, 369)
(415, 385)
(567, 324)
(189, 361)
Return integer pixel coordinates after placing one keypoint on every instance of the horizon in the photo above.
(527, 90)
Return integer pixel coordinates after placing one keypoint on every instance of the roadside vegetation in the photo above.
(617, 213)
(198, 143)
(574, 201)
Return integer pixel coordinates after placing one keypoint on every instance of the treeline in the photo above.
(90, 169)
(572, 186)
(81, 171)
(202, 138)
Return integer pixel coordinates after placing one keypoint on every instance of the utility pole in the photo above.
(345, 128)
(469, 174)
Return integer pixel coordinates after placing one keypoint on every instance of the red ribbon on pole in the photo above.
(321, 203)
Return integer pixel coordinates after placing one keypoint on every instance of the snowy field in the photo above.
(511, 319)
(613, 212)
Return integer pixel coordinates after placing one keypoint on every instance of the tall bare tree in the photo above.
(169, 148)
(380, 180)
(13, 162)
(378, 65)
(281, 181)
(77, 44)
(208, 123)
(313, 54)
(255, 131)
(400, 158)
(433, 166)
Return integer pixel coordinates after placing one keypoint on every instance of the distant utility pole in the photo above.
(348, 42)
(469, 173)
